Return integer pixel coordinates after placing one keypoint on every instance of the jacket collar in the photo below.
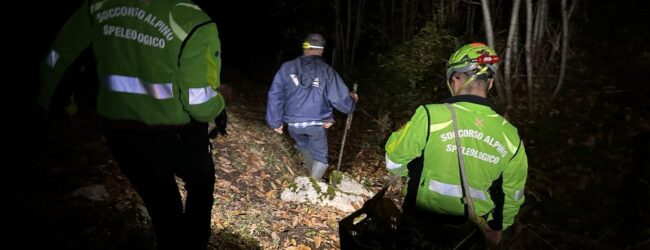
(471, 99)
(313, 56)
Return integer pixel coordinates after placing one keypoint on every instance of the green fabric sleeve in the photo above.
(407, 143)
(514, 180)
(75, 36)
(200, 66)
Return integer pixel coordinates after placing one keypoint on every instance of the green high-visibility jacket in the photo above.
(494, 155)
(157, 62)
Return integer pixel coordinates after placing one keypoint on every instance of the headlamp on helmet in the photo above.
(307, 45)
(477, 60)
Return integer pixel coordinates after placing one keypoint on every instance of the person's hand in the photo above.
(220, 124)
(354, 96)
(279, 129)
(327, 124)
(492, 236)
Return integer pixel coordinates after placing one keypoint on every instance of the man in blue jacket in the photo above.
(303, 93)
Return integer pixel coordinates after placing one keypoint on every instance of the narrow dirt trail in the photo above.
(253, 166)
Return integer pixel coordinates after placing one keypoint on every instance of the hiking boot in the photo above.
(318, 170)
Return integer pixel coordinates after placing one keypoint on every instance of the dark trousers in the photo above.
(312, 138)
(151, 158)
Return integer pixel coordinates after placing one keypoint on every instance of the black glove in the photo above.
(220, 125)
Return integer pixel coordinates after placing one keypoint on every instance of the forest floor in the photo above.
(91, 205)
(587, 186)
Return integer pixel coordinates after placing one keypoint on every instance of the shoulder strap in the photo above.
(428, 125)
(467, 198)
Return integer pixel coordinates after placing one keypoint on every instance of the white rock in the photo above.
(347, 194)
(349, 185)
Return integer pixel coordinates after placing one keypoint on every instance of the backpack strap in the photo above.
(428, 126)
(467, 197)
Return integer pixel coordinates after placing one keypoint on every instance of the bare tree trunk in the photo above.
(384, 22)
(430, 8)
(357, 29)
(472, 16)
(489, 34)
(565, 46)
(453, 12)
(347, 37)
(468, 20)
(508, 56)
(441, 14)
(516, 53)
(529, 62)
(556, 43)
(538, 39)
(536, 26)
(433, 18)
(393, 22)
(413, 15)
(338, 48)
(538, 42)
(403, 9)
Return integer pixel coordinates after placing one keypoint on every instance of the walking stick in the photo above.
(348, 122)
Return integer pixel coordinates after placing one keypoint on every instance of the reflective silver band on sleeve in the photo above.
(390, 165)
(52, 58)
(201, 95)
(135, 85)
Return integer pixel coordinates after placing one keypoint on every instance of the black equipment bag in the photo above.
(374, 226)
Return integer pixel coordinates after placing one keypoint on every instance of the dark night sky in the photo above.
(254, 33)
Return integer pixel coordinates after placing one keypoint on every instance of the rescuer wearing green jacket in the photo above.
(158, 63)
(494, 155)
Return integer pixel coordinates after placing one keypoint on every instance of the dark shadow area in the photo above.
(226, 239)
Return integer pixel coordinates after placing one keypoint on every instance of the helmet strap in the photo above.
(450, 89)
(469, 80)
(474, 76)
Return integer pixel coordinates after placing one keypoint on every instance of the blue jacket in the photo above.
(305, 89)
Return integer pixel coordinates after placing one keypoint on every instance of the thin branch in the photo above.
(374, 119)
(471, 2)
(540, 237)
